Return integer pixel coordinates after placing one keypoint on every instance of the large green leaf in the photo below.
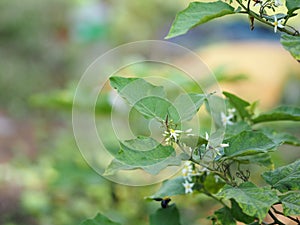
(144, 153)
(280, 113)
(291, 44)
(292, 5)
(187, 105)
(284, 178)
(248, 143)
(253, 201)
(239, 104)
(291, 203)
(198, 13)
(166, 216)
(99, 219)
(170, 188)
(281, 137)
(224, 217)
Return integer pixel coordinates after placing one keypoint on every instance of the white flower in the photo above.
(277, 24)
(186, 174)
(231, 111)
(277, 3)
(226, 119)
(206, 136)
(172, 135)
(188, 187)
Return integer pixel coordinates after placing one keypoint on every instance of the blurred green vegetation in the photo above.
(44, 49)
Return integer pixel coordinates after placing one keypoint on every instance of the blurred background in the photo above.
(45, 47)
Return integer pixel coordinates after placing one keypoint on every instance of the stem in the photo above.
(259, 18)
(214, 197)
(280, 213)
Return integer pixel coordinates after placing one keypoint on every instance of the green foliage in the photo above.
(166, 216)
(99, 219)
(170, 188)
(280, 113)
(198, 13)
(224, 217)
(248, 143)
(292, 5)
(239, 104)
(291, 203)
(285, 178)
(291, 44)
(254, 201)
(144, 153)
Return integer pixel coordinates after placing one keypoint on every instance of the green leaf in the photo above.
(236, 128)
(291, 44)
(170, 188)
(280, 113)
(144, 153)
(198, 13)
(239, 104)
(99, 219)
(166, 216)
(253, 201)
(285, 178)
(187, 105)
(238, 214)
(291, 203)
(281, 137)
(224, 216)
(262, 159)
(292, 5)
(248, 143)
(148, 99)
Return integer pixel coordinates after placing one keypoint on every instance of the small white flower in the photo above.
(186, 174)
(277, 24)
(188, 187)
(172, 135)
(226, 119)
(277, 3)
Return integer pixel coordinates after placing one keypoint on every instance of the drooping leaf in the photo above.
(248, 143)
(224, 217)
(285, 178)
(281, 137)
(170, 188)
(291, 44)
(291, 203)
(187, 105)
(166, 216)
(238, 214)
(253, 201)
(99, 219)
(144, 153)
(280, 113)
(239, 104)
(292, 5)
(198, 13)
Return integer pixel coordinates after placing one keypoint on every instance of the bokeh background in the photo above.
(45, 47)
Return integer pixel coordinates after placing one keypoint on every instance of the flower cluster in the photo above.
(187, 172)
